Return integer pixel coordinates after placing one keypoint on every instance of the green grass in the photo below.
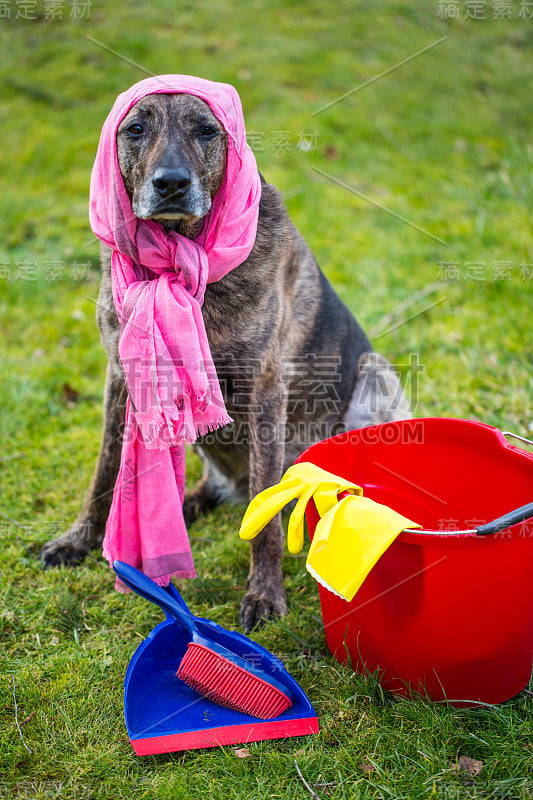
(444, 142)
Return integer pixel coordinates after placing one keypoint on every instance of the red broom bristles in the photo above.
(228, 684)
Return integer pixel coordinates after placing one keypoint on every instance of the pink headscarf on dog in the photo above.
(158, 280)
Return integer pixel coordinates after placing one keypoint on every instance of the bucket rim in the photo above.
(414, 422)
(419, 535)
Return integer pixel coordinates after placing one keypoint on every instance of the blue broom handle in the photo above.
(145, 587)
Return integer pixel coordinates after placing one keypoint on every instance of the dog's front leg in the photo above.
(88, 530)
(265, 595)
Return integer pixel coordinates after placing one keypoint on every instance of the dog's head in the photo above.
(172, 155)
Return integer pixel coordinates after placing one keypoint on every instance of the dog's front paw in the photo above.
(259, 606)
(66, 549)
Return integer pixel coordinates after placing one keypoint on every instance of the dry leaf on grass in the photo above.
(69, 395)
(243, 752)
(30, 716)
(367, 768)
(468, 765)
(331, 152)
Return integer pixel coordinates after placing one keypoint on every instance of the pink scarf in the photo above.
(158, 280)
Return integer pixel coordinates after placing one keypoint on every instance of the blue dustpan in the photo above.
(163, 715)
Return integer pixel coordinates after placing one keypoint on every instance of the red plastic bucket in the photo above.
(446, 615)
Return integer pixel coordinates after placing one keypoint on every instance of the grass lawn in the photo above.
(420, 181)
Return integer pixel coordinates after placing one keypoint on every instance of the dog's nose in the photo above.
(171, 182)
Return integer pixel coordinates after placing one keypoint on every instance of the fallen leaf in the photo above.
(243, 752)
(69, 395)
(468, 765)
(367, 768)
(331, 152)
(30, 716)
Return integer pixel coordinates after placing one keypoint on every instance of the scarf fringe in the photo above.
(164, 580)
(207, 427)
(161, 433)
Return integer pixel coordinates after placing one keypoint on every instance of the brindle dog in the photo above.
(293, 363)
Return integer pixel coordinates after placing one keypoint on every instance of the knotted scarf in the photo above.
(158, 282)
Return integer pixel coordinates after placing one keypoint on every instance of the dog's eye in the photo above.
(135, 129)
(207, 131)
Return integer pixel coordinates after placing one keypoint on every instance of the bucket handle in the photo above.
(499, 524)
(516, 436)
(517, 515)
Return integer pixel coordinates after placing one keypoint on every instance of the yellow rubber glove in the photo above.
(301, 481)
(350, 537)
(349, 540)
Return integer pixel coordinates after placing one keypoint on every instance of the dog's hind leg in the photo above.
(200, 499)
(215, 486)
